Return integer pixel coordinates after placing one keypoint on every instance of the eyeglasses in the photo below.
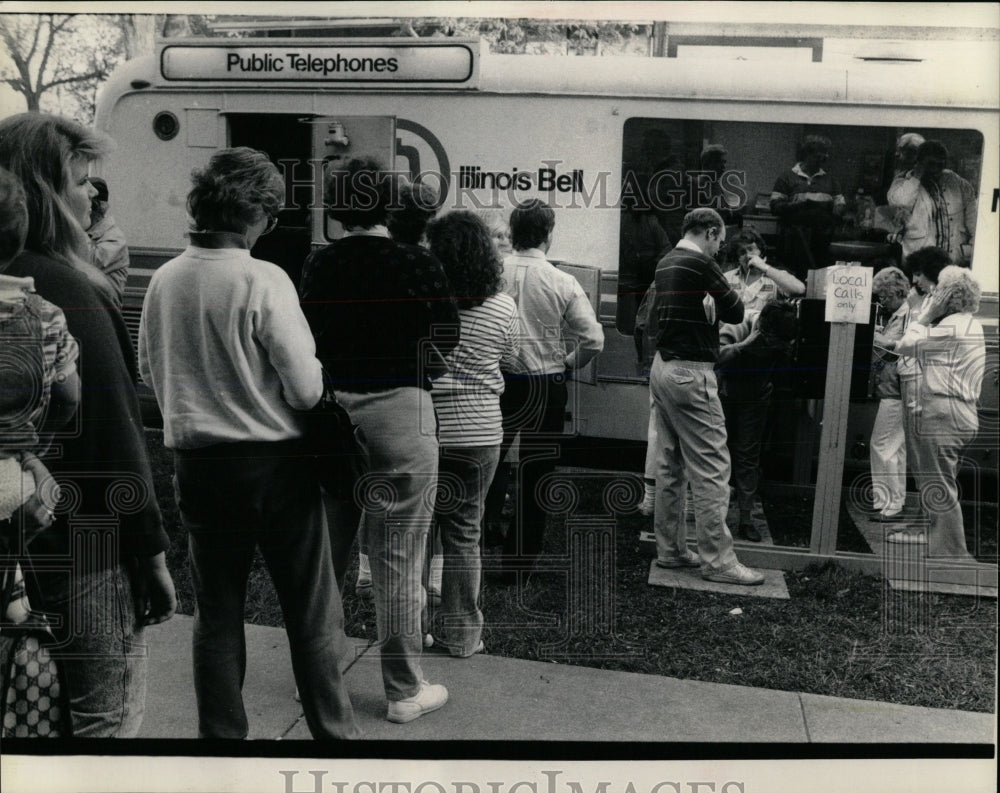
(272, 224)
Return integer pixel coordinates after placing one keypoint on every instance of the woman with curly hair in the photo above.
(947, 340)
(467, 403)
(228, 353)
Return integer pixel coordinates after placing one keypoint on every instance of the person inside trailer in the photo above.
(808, 202)
(753, 279)
(938, 207)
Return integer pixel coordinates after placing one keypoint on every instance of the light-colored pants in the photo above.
(888, 456)
(944, 426)
(652, 443)
(465, 473)
(397, 430)
(691, 429)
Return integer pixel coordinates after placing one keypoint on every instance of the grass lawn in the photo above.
(841, 633)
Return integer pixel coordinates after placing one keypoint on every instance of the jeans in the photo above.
(100, 646)
(888, 456)
(398, 434)
(234, 498)
(534, 406)
(691, 429)
(464, 475)
(745, 422)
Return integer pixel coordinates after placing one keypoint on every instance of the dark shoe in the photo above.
(749, 532)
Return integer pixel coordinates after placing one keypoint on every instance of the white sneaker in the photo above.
(737, 574)
(429, 698)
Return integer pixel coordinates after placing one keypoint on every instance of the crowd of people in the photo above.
(444, 337)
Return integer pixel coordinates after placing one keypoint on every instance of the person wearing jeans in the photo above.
(113, 571)
(226, 349)
(467, 402)
(261, 495)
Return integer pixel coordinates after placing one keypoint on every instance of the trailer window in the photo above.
(670, 166)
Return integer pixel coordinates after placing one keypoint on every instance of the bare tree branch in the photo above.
(53, 29)
(100, 74)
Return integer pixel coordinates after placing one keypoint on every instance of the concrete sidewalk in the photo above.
(501, 699)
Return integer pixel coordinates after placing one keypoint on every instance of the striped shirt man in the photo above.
(692, 296)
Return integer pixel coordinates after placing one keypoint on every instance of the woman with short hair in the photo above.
(467, 403)
(887, 450)
(384, 320)
(948, 342)
(109, 596)
(228, 353)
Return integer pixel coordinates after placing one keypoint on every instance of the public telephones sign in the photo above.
(849, 293)
(407, 63)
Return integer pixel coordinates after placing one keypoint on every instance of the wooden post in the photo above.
(832, 446)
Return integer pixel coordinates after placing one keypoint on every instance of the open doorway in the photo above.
(286, 139)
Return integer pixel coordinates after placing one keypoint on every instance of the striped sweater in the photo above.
(684, 278)
(467, 399)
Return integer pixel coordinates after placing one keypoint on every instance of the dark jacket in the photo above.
(100, 458)
(373, 305)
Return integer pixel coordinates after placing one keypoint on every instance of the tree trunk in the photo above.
(138, 34)
(175, 25)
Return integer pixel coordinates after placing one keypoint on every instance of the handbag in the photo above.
(34, 698)
(330, 439)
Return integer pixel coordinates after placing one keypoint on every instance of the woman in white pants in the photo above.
(888, 441)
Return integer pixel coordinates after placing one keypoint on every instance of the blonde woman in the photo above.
(110, 596)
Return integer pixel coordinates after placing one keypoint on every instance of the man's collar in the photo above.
(797, 170)
(374, 231)
(687, 245)
(533, 253)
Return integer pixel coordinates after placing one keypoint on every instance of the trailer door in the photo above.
(335, 141)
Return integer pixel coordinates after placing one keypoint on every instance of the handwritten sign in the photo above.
(848, 293)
